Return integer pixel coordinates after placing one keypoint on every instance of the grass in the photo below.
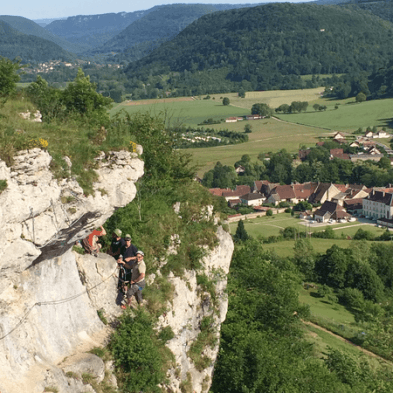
(271, 226)
(268, 135)
(349, 117)
(321, 308)
(179, 111)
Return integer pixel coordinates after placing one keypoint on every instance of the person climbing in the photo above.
(126, 260)
(90, 243)
(137, 282)
(128, 251)
(117, 244)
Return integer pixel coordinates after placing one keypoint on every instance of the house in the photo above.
(252, 199)
(253, 117)
(378, 204)
(304, 191)
(284, 193)
(264, 187)
(307, 215)
(338, 153)
(338, 136)
(235, 194)
(330, 210)
(382, 134)
(240, 118)
(373, 150)
(218, 191)
(320, 143)
(304, 153)
(234, 202)
(231, 120)
(323, 192)
(240, 169)
(368, 134)
(354, 206)
(354, 144)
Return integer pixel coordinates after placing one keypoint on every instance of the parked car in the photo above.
(352, 219)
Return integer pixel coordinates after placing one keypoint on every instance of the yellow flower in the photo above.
(133, 147)
(43, 142)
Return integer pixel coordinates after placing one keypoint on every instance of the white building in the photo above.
(379, 204)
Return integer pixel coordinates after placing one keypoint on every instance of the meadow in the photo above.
(285, 131)
(348, 117)
(271, 226)
(182, 111)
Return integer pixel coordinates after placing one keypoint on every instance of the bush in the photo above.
(136, 350)
(3, 185)
(269, 213)
(362, 234)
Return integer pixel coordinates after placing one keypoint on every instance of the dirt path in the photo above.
(369, 353)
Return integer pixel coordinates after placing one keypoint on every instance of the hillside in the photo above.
(93, 30)
(267, 47)
(28, 47)
(159, 25)
(28, 27)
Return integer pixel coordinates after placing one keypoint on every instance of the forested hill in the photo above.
(27, 26)
(161, 24)
(258, 47)
(93, 30)
(28, 47)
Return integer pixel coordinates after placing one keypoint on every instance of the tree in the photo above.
(316, 107)
(8, 77)
(241, 234)
(361, 97)
(262, 110)
(248, 128)
(81, 97)
(225, 101)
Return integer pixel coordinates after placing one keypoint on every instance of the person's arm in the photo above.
(128, 266)
(140, 278)
(103, 231)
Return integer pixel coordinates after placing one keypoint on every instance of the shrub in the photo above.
(3, 185)
(166, 334)
(136, 350)
(269, 213)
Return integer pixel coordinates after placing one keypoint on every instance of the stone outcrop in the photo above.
(50, 295)
(187, 310)
(41, 219)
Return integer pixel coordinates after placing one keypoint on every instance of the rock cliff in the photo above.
(50, 294)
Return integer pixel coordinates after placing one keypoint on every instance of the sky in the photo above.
(41, 9)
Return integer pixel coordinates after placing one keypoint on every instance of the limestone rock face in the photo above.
(187, 310)
(41, 219)
(50, 295)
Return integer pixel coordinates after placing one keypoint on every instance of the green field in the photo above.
(268, 135)
(183, 111)
(270, 226)
(348, 117)
(288, 131)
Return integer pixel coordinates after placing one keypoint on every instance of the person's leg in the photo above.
(131, 293)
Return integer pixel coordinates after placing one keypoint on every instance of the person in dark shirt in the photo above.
(127, 256)
(129, 251)
(117, 244)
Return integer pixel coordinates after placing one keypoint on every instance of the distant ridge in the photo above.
(28, 47)
(268, 47)
(161, 24)
(93, 30)
(28, 27)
